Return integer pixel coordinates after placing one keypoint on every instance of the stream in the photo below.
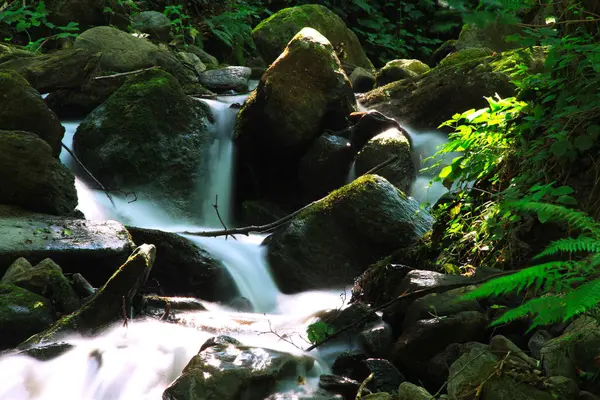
(141, 360)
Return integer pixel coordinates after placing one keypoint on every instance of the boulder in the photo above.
(367, 124)
(363, 221)
(302, 94)
(148, 136)
(537, 342)
(438, 369)
(362, 80)
(62, 69)
(174, 303)
(47, 280)
(351, 364)
(231, 371)
(465, 55)
(153, 23)
(122, 52)
(325, 166)
(377, 341)
(34, 179)
(386, 377)
(273, 34)
(410, 391)
(210, 61)
(192, 60)
(226, 79)
(381, 148)
(89, 247)
(396, 70)
(184, 269)
(106, 306)
(22, 314)
(492, 36)
(347, 387)
(23, 109)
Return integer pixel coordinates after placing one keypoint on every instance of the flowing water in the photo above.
(139, 361)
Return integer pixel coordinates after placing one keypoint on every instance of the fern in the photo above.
(568, 288)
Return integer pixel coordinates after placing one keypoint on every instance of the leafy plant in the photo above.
(180, 23)
(318, 331)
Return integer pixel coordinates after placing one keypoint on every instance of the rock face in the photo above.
(148, 135)
(184, 269)
(391, 143)
(106, 306)
(273, 34)
(396, 70)
(154, 23)
(22, 314)
(32, 177)
(93, 248)
(22, 108)
(333, 241)
(227, 370)
(225, 79)
(304, 92)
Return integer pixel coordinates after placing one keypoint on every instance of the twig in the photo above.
(363, 386)
(125, 73)
(246, 230)
(89, 174)
(281, 337)
(167, 310)
(216, 207)
(124, 306)
(404, 296)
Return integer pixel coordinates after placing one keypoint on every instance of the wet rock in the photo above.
(386, 377)
(184, 269)
(82, 287)
(47, 280)
(368, 124)
(439, 365)
(537, 341)
(22, 314)
(69, 68)
(225, 79)
(19, 266)
(325, 166)
(418, 345)
(174, 303)
(90, 247)
(157, 147)
(231, 372)
(339, 384)
(563, 387)
(362, 80)
(34, 178)
(154, 23)
(23, 109)
(410, 391)
(273, 34)
(351, 364)
(241, 304)
(377, 341)
(107, 304)
(339, 319)
(362, 221)
(221, 340)
(396, 70)
(391, 143)
(379, 283)
(302, 94)
(48, 351)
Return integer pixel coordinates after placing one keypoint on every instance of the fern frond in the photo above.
(575, 219)
(582, 299)
(545, 310)
(571, 245)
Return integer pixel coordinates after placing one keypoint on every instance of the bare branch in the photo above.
(120, 74)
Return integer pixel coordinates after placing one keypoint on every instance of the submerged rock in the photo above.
(22, 314)
(227, 370)
(23, 109)
(32, 177)
(336, 239)
(148, 137)
(92, 248)
(273, 34)
(303, 93)
(107, 305)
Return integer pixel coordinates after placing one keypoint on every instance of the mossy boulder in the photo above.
(153, 23)
(106, 306)
(22, 314)
(462, 56)
(362, 80)
(302, 94)
(396, 70)
(391, 143)
(224, 369)
(32, 177)
(122, 52)
(336, 239)
(8, 52)
(493, 36)
(148, 136)
(47, 280)
(22, 108)
(273, 34)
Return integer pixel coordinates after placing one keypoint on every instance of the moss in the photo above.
(462, 56)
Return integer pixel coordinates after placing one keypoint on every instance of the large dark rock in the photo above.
(273, 34)
(22, 314)
(225, 79)
(32, 177)
(303, 93)
(336, 239)
(153, 23)
(184, 269)
(93, 248)
(23, 109)
(148, 136)
(227, 370)
(107, 305)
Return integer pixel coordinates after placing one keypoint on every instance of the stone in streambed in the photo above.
(225, 79)
(396, 70)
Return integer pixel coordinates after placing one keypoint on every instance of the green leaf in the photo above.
(562, 191)
(559, 148)
(318, 331)
(567, 200)
(446, 171)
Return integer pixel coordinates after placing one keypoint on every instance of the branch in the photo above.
(379, 167)
(363, 385)
(137, 71)
(216, 207)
